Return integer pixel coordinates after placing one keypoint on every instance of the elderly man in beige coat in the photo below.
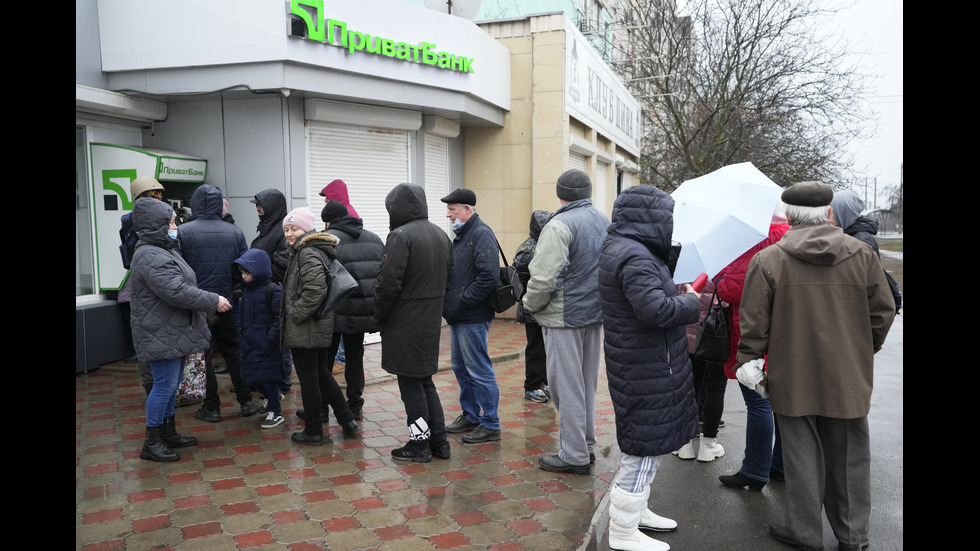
(817, 306)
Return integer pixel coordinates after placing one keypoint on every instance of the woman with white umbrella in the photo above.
(762, 459)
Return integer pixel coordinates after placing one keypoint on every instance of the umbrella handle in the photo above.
(700, 282)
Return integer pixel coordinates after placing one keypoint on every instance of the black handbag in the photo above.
(712, 342)
(340, 285)
(509, 287)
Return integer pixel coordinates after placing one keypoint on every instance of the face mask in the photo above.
(457, 224)
(172, 234)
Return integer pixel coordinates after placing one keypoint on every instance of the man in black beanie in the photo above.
(815, 309)
(563, 296)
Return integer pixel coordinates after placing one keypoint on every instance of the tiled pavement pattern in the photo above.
(243, 487)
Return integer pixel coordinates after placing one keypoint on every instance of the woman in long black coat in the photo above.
(650, 379)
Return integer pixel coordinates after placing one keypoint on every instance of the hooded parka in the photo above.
(261, 355)
(524, 255)
(168, 308)
(360, 252)
(847, 214)
(270, 238)
(644, 320)
(211, 245)
(415, 275)
(303, 291)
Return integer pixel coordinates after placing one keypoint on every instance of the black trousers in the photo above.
(354, 368)
(535, 358)
(423, 408)
(314, 368)
(224, 339)
(710, 383)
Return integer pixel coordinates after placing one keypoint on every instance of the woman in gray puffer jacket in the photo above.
(307, 334)
(168, 321)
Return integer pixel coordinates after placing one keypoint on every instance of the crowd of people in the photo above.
(808, 307)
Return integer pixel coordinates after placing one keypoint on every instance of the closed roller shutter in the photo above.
(602, 169)
(628, 180)
(576, 160)
(437, 179)
(371, 161)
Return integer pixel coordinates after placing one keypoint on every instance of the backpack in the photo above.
(896, 292)
(128, 238)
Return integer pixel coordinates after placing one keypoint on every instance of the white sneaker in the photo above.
(710, 449)
(687, 451)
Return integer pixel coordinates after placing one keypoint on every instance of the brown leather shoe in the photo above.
(338, 368)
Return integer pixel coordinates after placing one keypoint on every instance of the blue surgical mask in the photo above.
(457, 224)
(172, 234)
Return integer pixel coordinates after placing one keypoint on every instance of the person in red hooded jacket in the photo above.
(337, 191)
(763, 459)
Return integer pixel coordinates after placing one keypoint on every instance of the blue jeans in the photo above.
(759, 430)
(162, 399)
(341, 357)
(478, 392)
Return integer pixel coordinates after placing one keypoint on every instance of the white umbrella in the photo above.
(719, 216)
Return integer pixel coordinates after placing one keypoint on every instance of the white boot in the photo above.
(652, 521)
(710, 449)
(625, 511)
(687, 450)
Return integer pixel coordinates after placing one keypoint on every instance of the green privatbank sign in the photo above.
(320, 28)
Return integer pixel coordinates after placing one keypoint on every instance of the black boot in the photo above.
(416, 450)
(155, 448)
(173, 439)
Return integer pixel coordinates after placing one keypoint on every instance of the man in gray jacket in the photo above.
(563, 296)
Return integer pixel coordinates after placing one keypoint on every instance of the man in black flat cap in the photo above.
(476, 271)
(817, 307)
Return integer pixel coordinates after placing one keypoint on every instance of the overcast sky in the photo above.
(876, 26)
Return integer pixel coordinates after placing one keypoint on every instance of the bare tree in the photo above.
(731, 81)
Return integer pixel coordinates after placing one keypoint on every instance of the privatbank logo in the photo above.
(313, 24)
(117, 196)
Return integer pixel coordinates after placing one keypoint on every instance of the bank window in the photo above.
(84, 244)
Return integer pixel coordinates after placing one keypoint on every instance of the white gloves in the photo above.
(752, 376)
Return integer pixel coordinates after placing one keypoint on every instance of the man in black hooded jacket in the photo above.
(271, 206)
(210, 247)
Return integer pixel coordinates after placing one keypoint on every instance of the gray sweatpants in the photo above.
(573, 373)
